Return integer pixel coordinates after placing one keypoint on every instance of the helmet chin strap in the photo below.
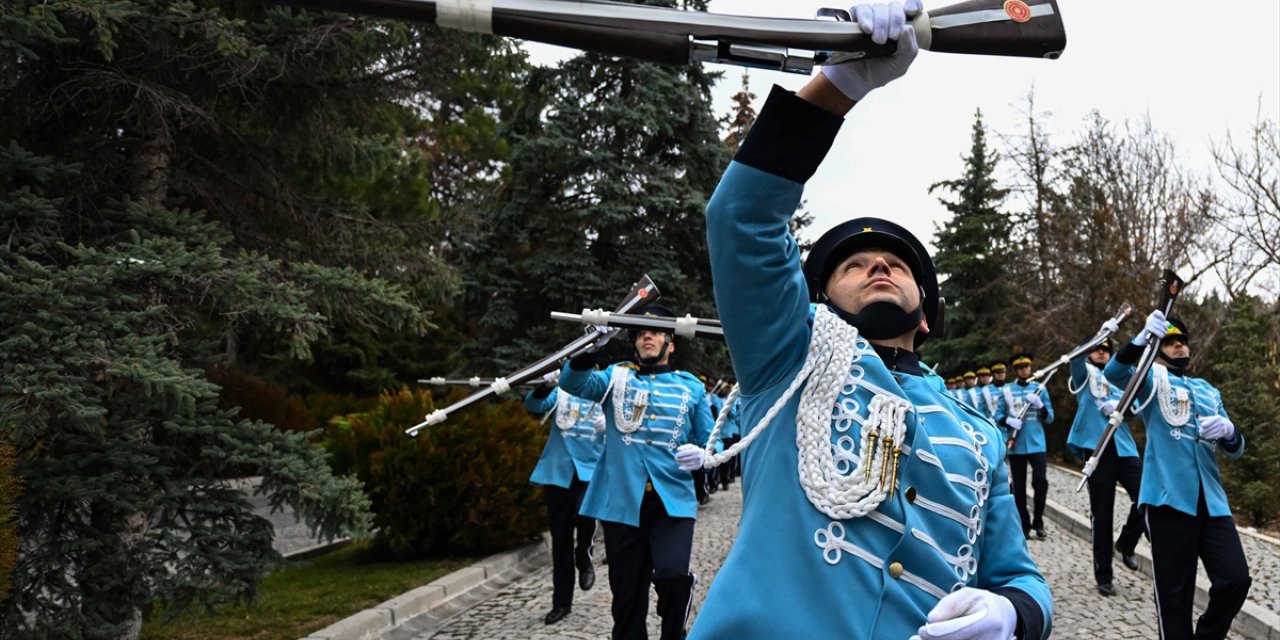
(649, 362)
(880, 320)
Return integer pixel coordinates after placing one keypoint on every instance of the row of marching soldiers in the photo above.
(1178, 502)
(874, 504)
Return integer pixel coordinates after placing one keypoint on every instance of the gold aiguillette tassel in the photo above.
(888, 451)
(867, 452)
(893, 480)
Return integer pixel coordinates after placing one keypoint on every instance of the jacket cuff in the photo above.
(542, 391)
(1129, 353)
(1030, 616)
(790, 137)
(585, 361)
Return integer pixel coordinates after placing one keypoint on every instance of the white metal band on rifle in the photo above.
(435, 417)
(687, 326)
(435, 380)
(474, 381)
(986, 15)
(598, 317)
(500, 386)
(466, 15)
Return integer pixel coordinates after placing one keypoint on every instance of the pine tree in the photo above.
(970, 259)
(1247, 372)
(612, 163)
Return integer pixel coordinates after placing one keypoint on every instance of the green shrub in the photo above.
(458, 487)
(258, 399)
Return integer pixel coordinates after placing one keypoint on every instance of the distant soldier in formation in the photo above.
(1186, 510)
(988, 394)
(644, 500)
(564, 471)
(1096, 401)
(1029, 441)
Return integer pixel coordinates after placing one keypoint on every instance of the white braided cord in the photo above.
(1175, 404)
(627, 422)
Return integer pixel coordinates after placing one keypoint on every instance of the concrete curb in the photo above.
(1252, 622)
(425, 606)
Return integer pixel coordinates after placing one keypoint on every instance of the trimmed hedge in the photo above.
(458, 487)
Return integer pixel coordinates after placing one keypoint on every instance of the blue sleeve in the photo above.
(1233, 448)
(761, 295)
(589, 384)
(540, 406)
(1079, 371)
(1121, 369)
(702, 422)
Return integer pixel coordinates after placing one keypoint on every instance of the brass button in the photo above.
(653, 416)
(911, 494)
(895, 570)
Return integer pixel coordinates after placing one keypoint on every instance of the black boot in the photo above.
(556, 615)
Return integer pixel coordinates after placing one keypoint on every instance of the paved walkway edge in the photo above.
(1253, 621)
(441, 598)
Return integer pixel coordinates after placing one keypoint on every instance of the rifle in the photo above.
(1024, 28)
(477, 381)
(688, 326)
(642, 294)
(1170, 286)
(1045, 374)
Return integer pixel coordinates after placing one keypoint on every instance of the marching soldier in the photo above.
(644, 500)
(969, 391)
(564, 470)
(988, 394)
(999, 373)
(1029, 441)
(1095, 401)
(865, 483)
(1186, 510)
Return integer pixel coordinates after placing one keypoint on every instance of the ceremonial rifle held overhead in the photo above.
(1023, 28)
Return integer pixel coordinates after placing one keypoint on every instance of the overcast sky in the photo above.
(1197, 69)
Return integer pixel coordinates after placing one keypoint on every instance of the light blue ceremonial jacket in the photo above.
(675, 412)
(1013, 396)
(1177, 464)
(793, 571)
(989, 400)
(731, 428)
(574, 444)
(1092, 391)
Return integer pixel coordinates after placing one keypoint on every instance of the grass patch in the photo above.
(306, 596)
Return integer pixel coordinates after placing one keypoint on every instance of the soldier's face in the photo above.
(649, 344)
(1100, 357)
(1001, 375)
(873, 275)
(1022, 371)
(984, 380)
(970, 383)
(1175, 348)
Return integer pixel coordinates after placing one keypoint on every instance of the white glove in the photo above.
(1110, 326)
(970, 614)
(1216, 428)
(690, 456)
(550, 377)
(1013, 423)
(883, 22)
(1108, 408)
(1156, 327)
(598, 423)
(1035, 401)
(603, 336)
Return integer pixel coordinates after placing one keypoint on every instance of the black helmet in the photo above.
(859, 233)
(659, 311)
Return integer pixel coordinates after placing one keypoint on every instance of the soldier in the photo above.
(1028, 437)
(999, 373)
(968, 389)
(1186, 510)
(864, 483)
(644, 500)
(564, 471)
(988, 394)
(1095, 401)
